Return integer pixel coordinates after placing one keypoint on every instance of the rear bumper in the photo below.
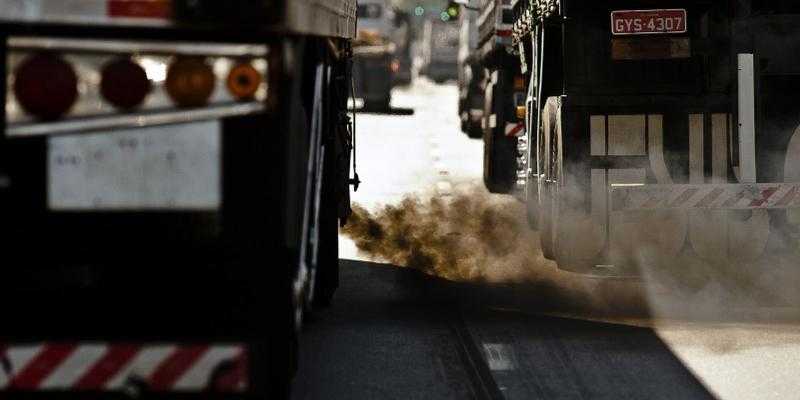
(132, 368)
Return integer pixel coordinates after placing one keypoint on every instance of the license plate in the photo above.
(648, 22)
(176, 167)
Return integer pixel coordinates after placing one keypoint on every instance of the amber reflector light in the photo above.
(46, 86)
(125, 84)
(244, 81)
(190, 82)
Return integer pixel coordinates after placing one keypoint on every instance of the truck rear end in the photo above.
(665, 129)
(170, 193)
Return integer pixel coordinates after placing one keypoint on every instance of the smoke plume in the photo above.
(474, 236)
(469, 237)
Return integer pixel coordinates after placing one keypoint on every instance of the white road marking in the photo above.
(444, 187)
(499, 356)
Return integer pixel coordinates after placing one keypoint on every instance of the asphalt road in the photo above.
(399, 334)
(394, 332)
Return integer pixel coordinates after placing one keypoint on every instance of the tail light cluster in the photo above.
(52, 81)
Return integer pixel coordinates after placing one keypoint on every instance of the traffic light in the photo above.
(452, 12)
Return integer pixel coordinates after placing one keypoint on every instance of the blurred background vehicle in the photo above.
(375, 65)
(505, 89)
(402, 37)
(471, 73)
(439, 45)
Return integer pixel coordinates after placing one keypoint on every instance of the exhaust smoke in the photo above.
(476, 237)
(469, 237)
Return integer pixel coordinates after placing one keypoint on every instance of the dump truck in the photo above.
(172, 177)
(659, 129)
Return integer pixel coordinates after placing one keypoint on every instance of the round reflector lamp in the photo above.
(125, 84)
(244, 81)
(190, 82)
(46, 86)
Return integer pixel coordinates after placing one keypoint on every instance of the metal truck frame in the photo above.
(148, 297)
(646, 145)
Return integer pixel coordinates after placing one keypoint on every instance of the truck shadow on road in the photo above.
(393, 333)
(397, 111)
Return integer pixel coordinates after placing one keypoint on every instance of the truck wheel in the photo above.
(547, 202)
(474, 131)
(499, 151)
(532, 202)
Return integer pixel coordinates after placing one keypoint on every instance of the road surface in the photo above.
(398, 333)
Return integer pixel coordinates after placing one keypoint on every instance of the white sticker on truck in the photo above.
(170, 167)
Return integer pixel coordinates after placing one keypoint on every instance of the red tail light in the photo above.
(190, 82)
(125, 84)
(244, 81)
(46, 86)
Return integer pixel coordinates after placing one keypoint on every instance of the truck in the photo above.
(172, 178)
(471, 74)
(659, 129)
(440, 49)
(374, 53)
(402, 37)
(505, 90)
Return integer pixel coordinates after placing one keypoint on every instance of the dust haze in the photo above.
(475, 237)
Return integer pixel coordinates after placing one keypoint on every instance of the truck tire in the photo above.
(499, 151)
(548, 189)
(532, 203)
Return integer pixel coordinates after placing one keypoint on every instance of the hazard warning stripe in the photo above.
(175, 366)
(47, 361)
(111, 367)
(107, 367)
(515, 129)
(721, 196)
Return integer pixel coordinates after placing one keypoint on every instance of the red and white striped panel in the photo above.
(720, 196)
(515, 129)
(113, 367)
